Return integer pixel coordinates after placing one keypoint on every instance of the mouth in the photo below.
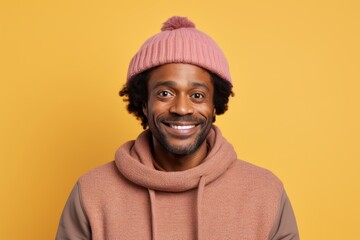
(181, 127)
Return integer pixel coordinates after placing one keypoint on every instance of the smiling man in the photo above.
(180, 179)
(180, 113)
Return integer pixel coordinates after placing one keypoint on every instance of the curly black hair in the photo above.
(135, 93)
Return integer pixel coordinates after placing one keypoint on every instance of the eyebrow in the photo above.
(165, 83)
(197, 84)
(172, 83)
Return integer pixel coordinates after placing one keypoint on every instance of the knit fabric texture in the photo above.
(180, 42)
(222, 198)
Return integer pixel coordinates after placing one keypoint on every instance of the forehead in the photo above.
(179, 74)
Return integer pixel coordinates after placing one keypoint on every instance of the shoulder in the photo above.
(104, 179)
(104, 172)
(256, 179)
(101, 184)
(255, 172)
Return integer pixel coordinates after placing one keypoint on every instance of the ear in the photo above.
(214, 116)
(144, 109)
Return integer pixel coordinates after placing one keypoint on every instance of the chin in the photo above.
(181, 150)
(184, 147)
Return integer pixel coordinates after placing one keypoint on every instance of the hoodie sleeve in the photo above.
(284, 227)
(74, 224)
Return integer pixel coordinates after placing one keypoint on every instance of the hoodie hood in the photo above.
(135, 161)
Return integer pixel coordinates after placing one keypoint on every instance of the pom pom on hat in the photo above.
(177, 22)
(180, 42)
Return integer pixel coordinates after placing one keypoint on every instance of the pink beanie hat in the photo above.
(180, 42)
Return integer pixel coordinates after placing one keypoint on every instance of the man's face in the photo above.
(180, 107)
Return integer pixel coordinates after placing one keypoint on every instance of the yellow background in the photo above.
(295, 67)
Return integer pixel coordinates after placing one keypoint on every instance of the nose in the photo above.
(182, 105)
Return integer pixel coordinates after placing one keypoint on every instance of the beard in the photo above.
(186, 149)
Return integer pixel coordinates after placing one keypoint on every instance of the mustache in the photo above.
(186, 118)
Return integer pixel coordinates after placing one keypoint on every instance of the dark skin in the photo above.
(180, 112)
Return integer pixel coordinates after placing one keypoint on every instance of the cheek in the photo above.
(206, 112)
(154, 108)
(207, 109)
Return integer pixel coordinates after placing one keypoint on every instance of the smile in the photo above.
(183, 127)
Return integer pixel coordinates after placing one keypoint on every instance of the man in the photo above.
(180, 179)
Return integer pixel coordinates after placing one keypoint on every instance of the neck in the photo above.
(170, 162)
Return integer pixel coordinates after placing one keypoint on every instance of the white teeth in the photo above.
(181, 127)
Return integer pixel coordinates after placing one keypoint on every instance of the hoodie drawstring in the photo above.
(200, 194)
(153, 215)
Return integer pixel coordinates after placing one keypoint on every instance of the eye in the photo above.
(164, 94)
(198, 95)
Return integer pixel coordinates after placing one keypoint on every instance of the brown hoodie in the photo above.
(222, 198)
